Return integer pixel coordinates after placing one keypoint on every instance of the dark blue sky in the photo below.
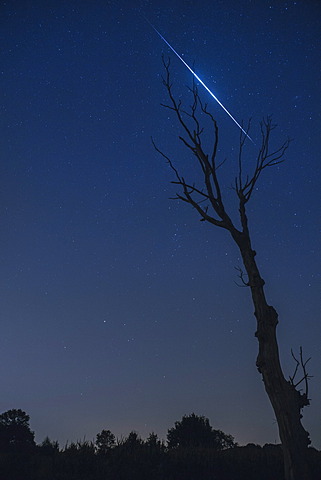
(119, 308)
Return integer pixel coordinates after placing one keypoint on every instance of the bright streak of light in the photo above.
(200, 81)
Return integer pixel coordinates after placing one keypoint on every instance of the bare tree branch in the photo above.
(241, 276)
(194, 143)
(264, 159)
(300, 364)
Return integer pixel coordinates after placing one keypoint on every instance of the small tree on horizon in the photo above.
(105, 441)
(15, 432)
(195, 431)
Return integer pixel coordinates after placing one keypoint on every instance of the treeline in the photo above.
(193, 451)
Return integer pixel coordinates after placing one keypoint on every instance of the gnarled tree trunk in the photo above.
(286, 401)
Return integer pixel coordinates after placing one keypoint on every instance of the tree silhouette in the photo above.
(287, 401)
(105, 441)
(195, 451)
(49, 447)
(78, 461)
(15, 433)
(47, 459)
(153, 442)
(17, 445)
(195, 431)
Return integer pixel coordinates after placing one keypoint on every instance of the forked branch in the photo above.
(210, 197)
(265, 158)
(189, 121)
(300, 365)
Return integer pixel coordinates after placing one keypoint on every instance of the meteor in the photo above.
(199, 80)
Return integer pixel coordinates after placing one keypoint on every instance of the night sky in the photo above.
(119, 308)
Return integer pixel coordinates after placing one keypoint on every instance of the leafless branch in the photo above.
(264, 159)
(168, 160)
(300, 364)
(244, 187)
(242, 276)
(189, 120)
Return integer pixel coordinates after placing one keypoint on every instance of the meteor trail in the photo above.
(200, 81)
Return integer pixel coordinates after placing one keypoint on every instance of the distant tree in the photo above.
(105, 441)
(252, 462)
(195, 431)
(17, 445)
(132, 441)
(46, 461)
(79, 461)
(132, 459)
(49, 447)
(153, 441)
(15, 433)
(208, 201)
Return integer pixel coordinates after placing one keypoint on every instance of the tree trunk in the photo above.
(286, 401)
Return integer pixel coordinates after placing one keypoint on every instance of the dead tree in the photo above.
(287, 401)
